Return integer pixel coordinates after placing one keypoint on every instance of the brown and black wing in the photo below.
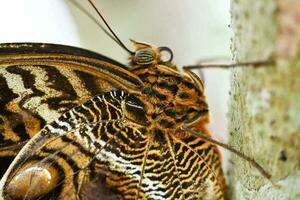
(186, 168)
(106, 144)
(172, 167)
(39, 82)
(60, 160)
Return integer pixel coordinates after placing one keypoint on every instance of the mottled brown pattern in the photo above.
(127, 142)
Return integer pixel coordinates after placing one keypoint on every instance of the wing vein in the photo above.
(174, 161)
(201, 158)
(148, 146)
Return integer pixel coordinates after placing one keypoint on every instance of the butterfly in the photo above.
(74, 120)
(132, 125)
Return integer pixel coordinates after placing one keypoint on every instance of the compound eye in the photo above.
(145, 56)
(33, 181)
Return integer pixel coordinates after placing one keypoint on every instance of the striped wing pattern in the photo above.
(97, 133)
(40, 82)
(104, 146)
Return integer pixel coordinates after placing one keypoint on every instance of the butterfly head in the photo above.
(174, 97)
(146, 54)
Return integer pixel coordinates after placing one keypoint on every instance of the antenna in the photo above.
(88, 14)
(110, 29)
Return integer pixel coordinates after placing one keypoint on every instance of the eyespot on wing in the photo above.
(32, 181)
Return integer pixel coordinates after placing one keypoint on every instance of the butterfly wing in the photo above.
(67, 148)
(108, 137)
(176, 167)
(182, 168)
(39, 82)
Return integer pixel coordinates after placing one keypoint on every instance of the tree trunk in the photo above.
(265, 102)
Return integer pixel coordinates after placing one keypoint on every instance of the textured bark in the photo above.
(265, 102)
